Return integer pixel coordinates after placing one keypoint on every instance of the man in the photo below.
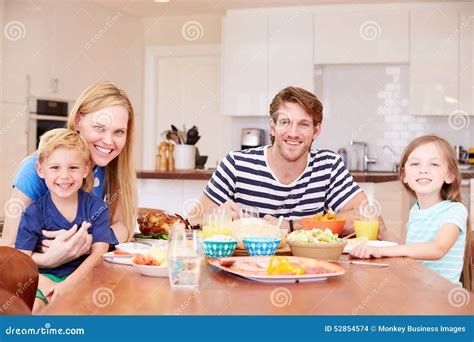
(286, 178)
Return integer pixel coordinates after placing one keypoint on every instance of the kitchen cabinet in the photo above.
(245, 63)
(434, 61)
(348, 36)
(466, 60)
(262, 54)
(290, 61)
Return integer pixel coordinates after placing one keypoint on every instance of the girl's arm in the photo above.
(432, 250)
(98, 249)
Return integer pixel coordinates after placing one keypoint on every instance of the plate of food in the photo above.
(134, 247)
(119, 257)
(279, 269)
(353, 243)
(152, 264)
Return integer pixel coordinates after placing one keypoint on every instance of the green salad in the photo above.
(157, 236)
(313, 236)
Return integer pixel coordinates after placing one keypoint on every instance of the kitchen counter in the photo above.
(372, 177)
(359, 176)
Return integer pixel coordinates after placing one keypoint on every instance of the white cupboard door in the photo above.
(245, 56)
(290, 52)
(434, 61)
(376, 36)
(466, 60)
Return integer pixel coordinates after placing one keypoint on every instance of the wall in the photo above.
(202, 30)
(370, 103)
(76, 42)
(182, 30)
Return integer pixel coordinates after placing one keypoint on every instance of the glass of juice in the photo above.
(217, 221)
(367, 220)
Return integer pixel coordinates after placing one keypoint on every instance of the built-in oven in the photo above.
(45, 115)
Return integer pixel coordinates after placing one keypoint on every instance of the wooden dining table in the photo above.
(404, 288)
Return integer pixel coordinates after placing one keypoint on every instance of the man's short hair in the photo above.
(304, 98)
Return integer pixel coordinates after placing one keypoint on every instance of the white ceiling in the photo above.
(148, 8)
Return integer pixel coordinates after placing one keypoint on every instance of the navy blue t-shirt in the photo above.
(43, 215)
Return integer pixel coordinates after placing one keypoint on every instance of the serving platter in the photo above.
(255, 268)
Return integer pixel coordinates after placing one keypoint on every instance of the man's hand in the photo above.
(66, 245)
(233, 208)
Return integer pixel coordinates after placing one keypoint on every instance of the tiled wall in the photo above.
(370, 103)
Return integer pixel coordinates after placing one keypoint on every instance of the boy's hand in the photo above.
(366, 252)
(57, 290)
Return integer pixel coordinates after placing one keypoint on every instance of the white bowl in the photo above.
(152, 271)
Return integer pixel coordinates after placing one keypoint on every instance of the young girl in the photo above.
(64, 164)
(438, 233)
(104, 117)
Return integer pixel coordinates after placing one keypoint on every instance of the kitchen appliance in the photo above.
(461, 154)
(252, 137)
(45, 115)
(470, 156)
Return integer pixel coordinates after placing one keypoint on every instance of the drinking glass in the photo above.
(185, 255)
(248, 212)
(217, 221)
(367, 220)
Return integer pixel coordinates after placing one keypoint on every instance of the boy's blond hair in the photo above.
(69, 139)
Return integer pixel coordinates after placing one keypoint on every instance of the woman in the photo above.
(104, 117)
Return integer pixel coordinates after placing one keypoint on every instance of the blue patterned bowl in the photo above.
(219, 249)
(261, 246)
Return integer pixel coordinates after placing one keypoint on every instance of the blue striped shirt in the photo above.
(246, 178)
(423, 226)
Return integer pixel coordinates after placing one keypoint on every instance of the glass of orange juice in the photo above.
(367, 220)
(217, 222)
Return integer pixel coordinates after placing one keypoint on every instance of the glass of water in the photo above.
(185, 255)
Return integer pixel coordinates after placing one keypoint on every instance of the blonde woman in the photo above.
(104, 117)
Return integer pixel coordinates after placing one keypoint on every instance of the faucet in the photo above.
(396, 165)
(366, 160)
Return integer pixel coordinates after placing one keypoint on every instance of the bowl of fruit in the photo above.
(326, 221)
(152, 264)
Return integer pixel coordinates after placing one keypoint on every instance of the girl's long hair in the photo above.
(450, 191)
(120, 176)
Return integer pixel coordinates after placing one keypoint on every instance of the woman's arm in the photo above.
(13, 209)
(121, 231)
(432, 250)
(66, 245)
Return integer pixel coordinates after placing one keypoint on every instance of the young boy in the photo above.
(64, 164)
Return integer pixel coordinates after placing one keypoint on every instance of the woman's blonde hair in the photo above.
(71, 140)
(120, 177)
(450, 191)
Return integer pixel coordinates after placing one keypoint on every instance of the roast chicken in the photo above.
(156, 221)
